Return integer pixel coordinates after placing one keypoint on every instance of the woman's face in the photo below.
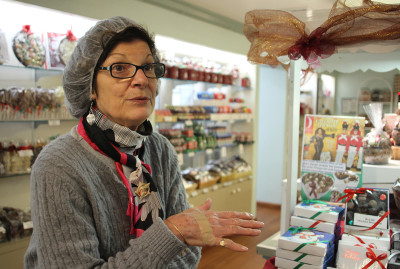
(130, 101)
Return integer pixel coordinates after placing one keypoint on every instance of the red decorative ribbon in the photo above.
(71, 36)
(27, 29)
(316, 223)
(371, 255)
(311, 47)
(379, 221)
(350, 193)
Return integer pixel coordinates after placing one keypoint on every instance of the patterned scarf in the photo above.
(126, 147)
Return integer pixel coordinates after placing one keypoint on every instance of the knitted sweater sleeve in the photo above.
(172, 190)
(67, 230)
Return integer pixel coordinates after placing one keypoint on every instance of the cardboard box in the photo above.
(319, 225)
(351, 257)
(301, 257)
(288, 264)
(307, 241)
(381, 242)
(319, 211)
(365, 210)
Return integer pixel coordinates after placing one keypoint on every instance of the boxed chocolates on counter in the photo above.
(350, 256)
(319, 211)
(380, 242)
(368, 208)
(307, 241)
(319, 225)
(289, 264)
(302, 257)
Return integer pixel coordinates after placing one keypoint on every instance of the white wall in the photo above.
(271, 140)
(158, 20)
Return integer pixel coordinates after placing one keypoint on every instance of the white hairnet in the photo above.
(78, 74)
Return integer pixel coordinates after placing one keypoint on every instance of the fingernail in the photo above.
(245, 248)
(249, 215)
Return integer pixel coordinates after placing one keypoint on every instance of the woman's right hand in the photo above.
(201, 226)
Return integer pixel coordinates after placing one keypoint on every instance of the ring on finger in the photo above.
(222, 242)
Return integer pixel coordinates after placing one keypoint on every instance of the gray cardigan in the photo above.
(79, 206)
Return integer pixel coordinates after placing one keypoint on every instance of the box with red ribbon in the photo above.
(350, 256)
(367, 209)
(380, 242)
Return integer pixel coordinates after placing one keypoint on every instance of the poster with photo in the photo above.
(332, 156)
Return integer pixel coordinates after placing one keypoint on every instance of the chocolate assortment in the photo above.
(66, 48)
(371, 202)
(28, 48)
(377, 148)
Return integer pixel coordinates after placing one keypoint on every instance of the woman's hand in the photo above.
(201, 226)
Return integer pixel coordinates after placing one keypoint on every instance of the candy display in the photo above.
(14, 223)
(367, 208)
(28, 48)
(396, 133)
(66, 47)
(377, 146)
(3, 48)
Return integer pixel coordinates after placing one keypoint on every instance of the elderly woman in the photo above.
(109, 193)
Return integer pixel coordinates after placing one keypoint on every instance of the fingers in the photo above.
(205, 206)
(234, 214)
(229, 244)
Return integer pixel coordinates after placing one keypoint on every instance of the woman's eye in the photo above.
(118, 67)
(148, 67)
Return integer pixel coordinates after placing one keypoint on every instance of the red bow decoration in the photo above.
(71, 36)
(371, 255)
(311, 47)
(350, 193)
(27, 29)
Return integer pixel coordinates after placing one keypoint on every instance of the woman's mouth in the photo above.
(140, 100)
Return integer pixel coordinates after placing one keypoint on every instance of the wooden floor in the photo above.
(221, 258)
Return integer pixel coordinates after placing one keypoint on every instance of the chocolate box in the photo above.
(307, 241)
(319, 211)
(289, 264)
(351, 257)
(368, 209)
(380, 242)
(319, 225)
(301, 257)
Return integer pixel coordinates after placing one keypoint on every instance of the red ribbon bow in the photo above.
(71, 36)
(371, 255)
(311, 47)
(27, 29)
(350, 193)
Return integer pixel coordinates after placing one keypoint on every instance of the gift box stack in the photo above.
(366, 241)
(305, 245)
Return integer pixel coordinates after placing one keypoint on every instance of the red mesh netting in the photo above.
(275, 33)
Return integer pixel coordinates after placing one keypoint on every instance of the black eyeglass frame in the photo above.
(138, 67)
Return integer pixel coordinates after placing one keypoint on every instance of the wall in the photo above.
(158, 20)
(271, 140)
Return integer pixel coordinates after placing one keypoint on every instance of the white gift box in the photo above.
(319, 211)
(380, 242)
(300, 257)
(319, 225)
(288, 264)
(307, 241)
(351, 257)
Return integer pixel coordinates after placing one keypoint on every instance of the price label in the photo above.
(54, 122)
(223, 152)
(167, 118)
(180, 159)
(209, 151)
(191, 154)
(188, 123)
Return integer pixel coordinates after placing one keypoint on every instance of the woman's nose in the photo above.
(140, 79)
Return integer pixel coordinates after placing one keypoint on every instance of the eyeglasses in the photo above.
(127, 70)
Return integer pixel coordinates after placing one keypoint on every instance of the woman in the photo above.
(109, 193)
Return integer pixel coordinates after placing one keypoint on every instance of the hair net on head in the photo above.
(78, 74)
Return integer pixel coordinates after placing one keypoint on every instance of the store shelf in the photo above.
(381, 176)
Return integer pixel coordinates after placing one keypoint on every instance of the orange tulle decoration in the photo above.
(275, 33)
